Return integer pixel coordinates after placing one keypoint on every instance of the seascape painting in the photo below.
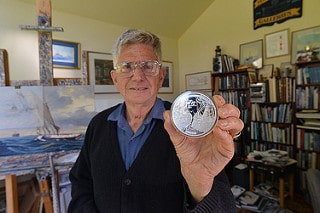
(40, 119)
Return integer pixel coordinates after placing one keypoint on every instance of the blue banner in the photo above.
(268, 12)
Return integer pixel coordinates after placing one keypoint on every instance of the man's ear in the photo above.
(113, 76)
(163, 74)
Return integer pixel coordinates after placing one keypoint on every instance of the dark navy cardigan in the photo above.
(154, 183)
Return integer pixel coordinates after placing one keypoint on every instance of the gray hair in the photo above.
(135, 36)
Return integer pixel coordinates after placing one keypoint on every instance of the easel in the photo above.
(48, 194)
(12, 195)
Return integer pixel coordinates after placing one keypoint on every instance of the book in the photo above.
(237, 191)
(249, 197)
(314, 115)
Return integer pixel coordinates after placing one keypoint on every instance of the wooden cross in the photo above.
(44, 29)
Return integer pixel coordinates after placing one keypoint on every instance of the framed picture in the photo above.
(167, 86)
(287, 69)
(251, 54)
(67, 81)
(65, 54)
(277, 43)
(4, 68)
(252, 76)
(265, 72)
(199, 81)
(305, 45)
(99, 68)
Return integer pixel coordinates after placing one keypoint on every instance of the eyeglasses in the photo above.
(149, 68)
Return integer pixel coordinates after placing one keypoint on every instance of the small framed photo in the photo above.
(252, 76)
(4, 68)
(65, 54)
(99, 68)
(199, 81)
(251, 54)
(305, 45)
(167, 86)
(277, 43)
(67, 81)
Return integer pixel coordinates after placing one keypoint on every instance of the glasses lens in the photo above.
(150, 68)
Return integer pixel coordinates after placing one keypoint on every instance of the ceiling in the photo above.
(169, 18)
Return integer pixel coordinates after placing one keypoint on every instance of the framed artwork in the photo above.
(67, 81)
(277, 43)
(265, 72)
(252, 76)
(287, 69)
(4, 68)
(167, 86)
(251, 54)
(65, 54)
(99, 68)
(305, 45)
(199, 81)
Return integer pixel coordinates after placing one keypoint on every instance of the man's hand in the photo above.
(204, 158)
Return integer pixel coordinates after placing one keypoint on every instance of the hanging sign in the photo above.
(268, 12)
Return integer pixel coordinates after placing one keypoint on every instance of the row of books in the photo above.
(308, 75)
(307, 160)
(281, 89)
(308, 140)
(239, 98)
(267, 132)
(227, 63)
(237, 80)
(281, 113)
(308, 97)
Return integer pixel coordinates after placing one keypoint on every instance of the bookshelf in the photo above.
(307, 115)
(234, 87)
(271, 121)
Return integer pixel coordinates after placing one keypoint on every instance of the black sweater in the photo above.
(154, 183)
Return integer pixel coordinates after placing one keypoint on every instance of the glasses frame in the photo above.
(134, 65)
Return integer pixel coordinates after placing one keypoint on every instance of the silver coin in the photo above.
(194, 114)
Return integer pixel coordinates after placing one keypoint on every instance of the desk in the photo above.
(282, 171)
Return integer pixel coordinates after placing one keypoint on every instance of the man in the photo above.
(134, 160)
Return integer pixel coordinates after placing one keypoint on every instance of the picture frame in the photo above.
(199, 81)
(67, 81)
(287, 69)
(167, 86)
(252, 76)
(277, 43)
(265, 72)
(251, 54)
(65, 54)
(4, 68)
(305, 44)
(99, 67)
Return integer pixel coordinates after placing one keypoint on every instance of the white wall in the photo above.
(225, 23)
(229, 24)
(22, 45)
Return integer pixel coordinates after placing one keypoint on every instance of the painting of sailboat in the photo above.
(44, 119)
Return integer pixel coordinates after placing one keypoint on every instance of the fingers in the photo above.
(228, 117)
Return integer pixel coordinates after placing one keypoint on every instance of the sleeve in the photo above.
(219, 199)
(82, 196)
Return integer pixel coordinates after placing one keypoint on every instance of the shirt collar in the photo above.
(156, 113)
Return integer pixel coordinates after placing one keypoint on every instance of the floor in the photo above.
(298, 205)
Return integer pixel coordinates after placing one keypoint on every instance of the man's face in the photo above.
(138, 89)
